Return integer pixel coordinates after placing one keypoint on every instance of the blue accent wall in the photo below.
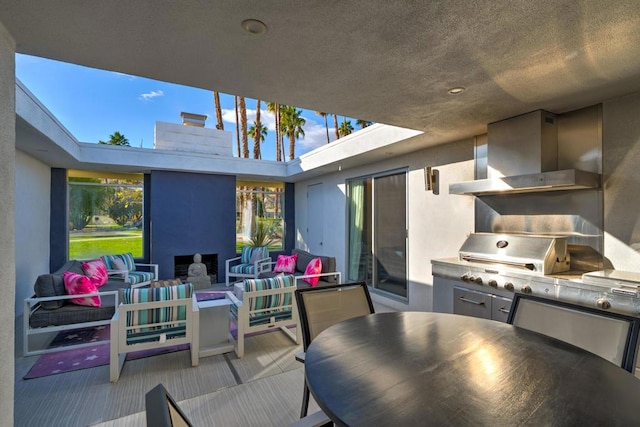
(58, 228)
(191, 213)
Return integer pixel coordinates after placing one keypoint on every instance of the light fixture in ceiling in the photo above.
(455, 90)
(253, 26)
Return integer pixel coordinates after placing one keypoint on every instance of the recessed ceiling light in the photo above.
(253, 26)
(455, 90)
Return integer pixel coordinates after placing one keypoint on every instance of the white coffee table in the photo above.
(214, 326)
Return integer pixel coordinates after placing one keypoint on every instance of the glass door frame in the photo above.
(372, 273)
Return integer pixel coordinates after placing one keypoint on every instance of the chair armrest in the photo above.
(234, 299)
(266, 266)
(154, 267)
(123, 273)
(258, 264)
(300, 357)
(228, 262)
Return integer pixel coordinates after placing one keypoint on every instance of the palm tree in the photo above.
(216, 100)
(363, 123)
(237, 124)
(335, 124)
(291, 125)
(116, 138)
(243, 127)
(326, 125)
(258, 137)
(345, 127)
(274, 108)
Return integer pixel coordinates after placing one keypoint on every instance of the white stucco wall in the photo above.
(7, 241)
(621, 180)
(32, 222)
(438, 224)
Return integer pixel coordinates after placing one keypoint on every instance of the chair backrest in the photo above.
(283, 300)
(611, 336)
(251, 254)
(325, 306)
(127, 260)
(162, 410)
(156, 315)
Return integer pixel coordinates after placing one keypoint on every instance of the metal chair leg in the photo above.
(305, 400)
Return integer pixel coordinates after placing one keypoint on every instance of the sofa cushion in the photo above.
(304, 258)
(70, 314)
(52, 284)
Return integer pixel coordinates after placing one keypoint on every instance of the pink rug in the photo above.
(86, 357)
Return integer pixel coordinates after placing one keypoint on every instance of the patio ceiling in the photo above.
(385, 61)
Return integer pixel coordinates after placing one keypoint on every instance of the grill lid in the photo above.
(541, 254)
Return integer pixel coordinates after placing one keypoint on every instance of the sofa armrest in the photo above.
(124, 274)
(337, 274)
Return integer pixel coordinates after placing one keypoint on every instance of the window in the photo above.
(378, 232)
(260, 213)
(105, 214)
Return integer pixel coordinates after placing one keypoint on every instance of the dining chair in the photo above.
(322, 307)
(612, 336)
(162, 410)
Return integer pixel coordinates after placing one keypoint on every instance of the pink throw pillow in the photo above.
(96, 270)
(314, 267)
(77, 284)
(286, 264)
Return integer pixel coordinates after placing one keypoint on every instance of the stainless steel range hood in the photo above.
(522, 157)
(571, 179)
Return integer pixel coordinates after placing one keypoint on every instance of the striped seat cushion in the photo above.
(126, 258)
(156, 315)
(265, 317)
(243, 269)
(136, 277)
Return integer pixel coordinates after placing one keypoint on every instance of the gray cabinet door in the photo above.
(471, 303)
(500, 308)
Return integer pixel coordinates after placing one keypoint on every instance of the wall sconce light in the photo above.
(431, 180)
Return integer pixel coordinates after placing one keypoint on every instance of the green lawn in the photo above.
(93, 246)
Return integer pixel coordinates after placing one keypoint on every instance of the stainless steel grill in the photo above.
(540, 254)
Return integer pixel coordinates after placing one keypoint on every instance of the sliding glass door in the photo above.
(378, 232)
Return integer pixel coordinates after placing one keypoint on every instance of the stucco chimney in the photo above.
(190, 119)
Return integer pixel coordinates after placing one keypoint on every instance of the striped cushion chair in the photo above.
(251, 262)
(135, 274)
(152, 318)
(265, 304)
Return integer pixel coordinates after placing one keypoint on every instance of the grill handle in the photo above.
(525, 265)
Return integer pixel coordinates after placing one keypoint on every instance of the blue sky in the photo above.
(92, 104)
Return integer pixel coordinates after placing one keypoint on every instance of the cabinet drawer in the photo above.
(500, 307)
(471, 303)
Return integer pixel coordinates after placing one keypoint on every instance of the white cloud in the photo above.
(150, 95)
(266, 118)
(315, 135)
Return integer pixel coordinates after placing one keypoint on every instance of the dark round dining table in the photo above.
(420, 369)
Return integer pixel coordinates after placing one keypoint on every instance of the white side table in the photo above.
(214, 326)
